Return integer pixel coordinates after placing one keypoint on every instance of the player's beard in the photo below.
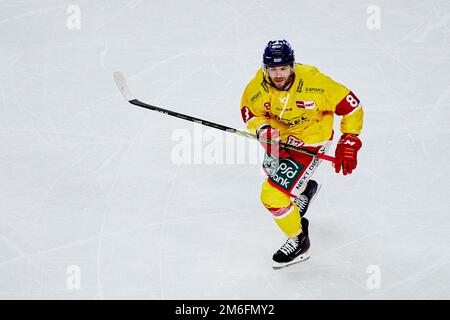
(285, 85)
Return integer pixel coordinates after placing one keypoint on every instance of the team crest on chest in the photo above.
(282, 100)
(305, 104)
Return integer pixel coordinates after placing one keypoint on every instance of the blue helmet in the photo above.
(278, 53)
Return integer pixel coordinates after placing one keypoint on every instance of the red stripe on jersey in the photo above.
(347, 105)
(278, 212)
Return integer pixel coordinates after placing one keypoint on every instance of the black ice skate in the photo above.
(307, 196)
(294, 249)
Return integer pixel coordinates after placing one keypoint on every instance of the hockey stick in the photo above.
(121, 83)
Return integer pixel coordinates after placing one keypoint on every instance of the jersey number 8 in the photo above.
(351, 100)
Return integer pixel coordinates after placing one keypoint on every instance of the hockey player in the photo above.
(295, 104)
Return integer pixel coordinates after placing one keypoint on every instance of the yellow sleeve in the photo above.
(342, 102)
(353, 122)
(252, 109)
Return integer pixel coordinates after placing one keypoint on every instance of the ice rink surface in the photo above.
(92, 205)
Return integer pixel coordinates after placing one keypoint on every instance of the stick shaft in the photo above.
(228, 129)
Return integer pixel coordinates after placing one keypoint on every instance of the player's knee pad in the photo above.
(278, 203)
(274, 197)
(285, 213)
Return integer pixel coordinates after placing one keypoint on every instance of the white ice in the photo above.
(87, 182)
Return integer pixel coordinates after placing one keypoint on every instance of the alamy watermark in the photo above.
(202, 145)
(374, 20)
(374, 279)
(73, 21)
(73, 281)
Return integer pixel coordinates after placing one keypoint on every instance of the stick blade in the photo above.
(121, 83)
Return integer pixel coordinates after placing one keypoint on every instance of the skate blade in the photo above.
(300, 258)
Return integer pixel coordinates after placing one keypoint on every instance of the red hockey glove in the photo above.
(346, 151)
(272, 134)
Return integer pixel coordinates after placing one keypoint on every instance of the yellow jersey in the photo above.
(304, 114)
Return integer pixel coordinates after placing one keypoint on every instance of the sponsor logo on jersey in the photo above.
(295, 121)
(315, 90)
(300, 86)
(265, 86)
(267, 105)
(246, 114)
(309, 171)
(286, 173)
(285, 109)
(351, 143)
(294, 141)
(255, 97)
(305, 104)
(307, 174)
